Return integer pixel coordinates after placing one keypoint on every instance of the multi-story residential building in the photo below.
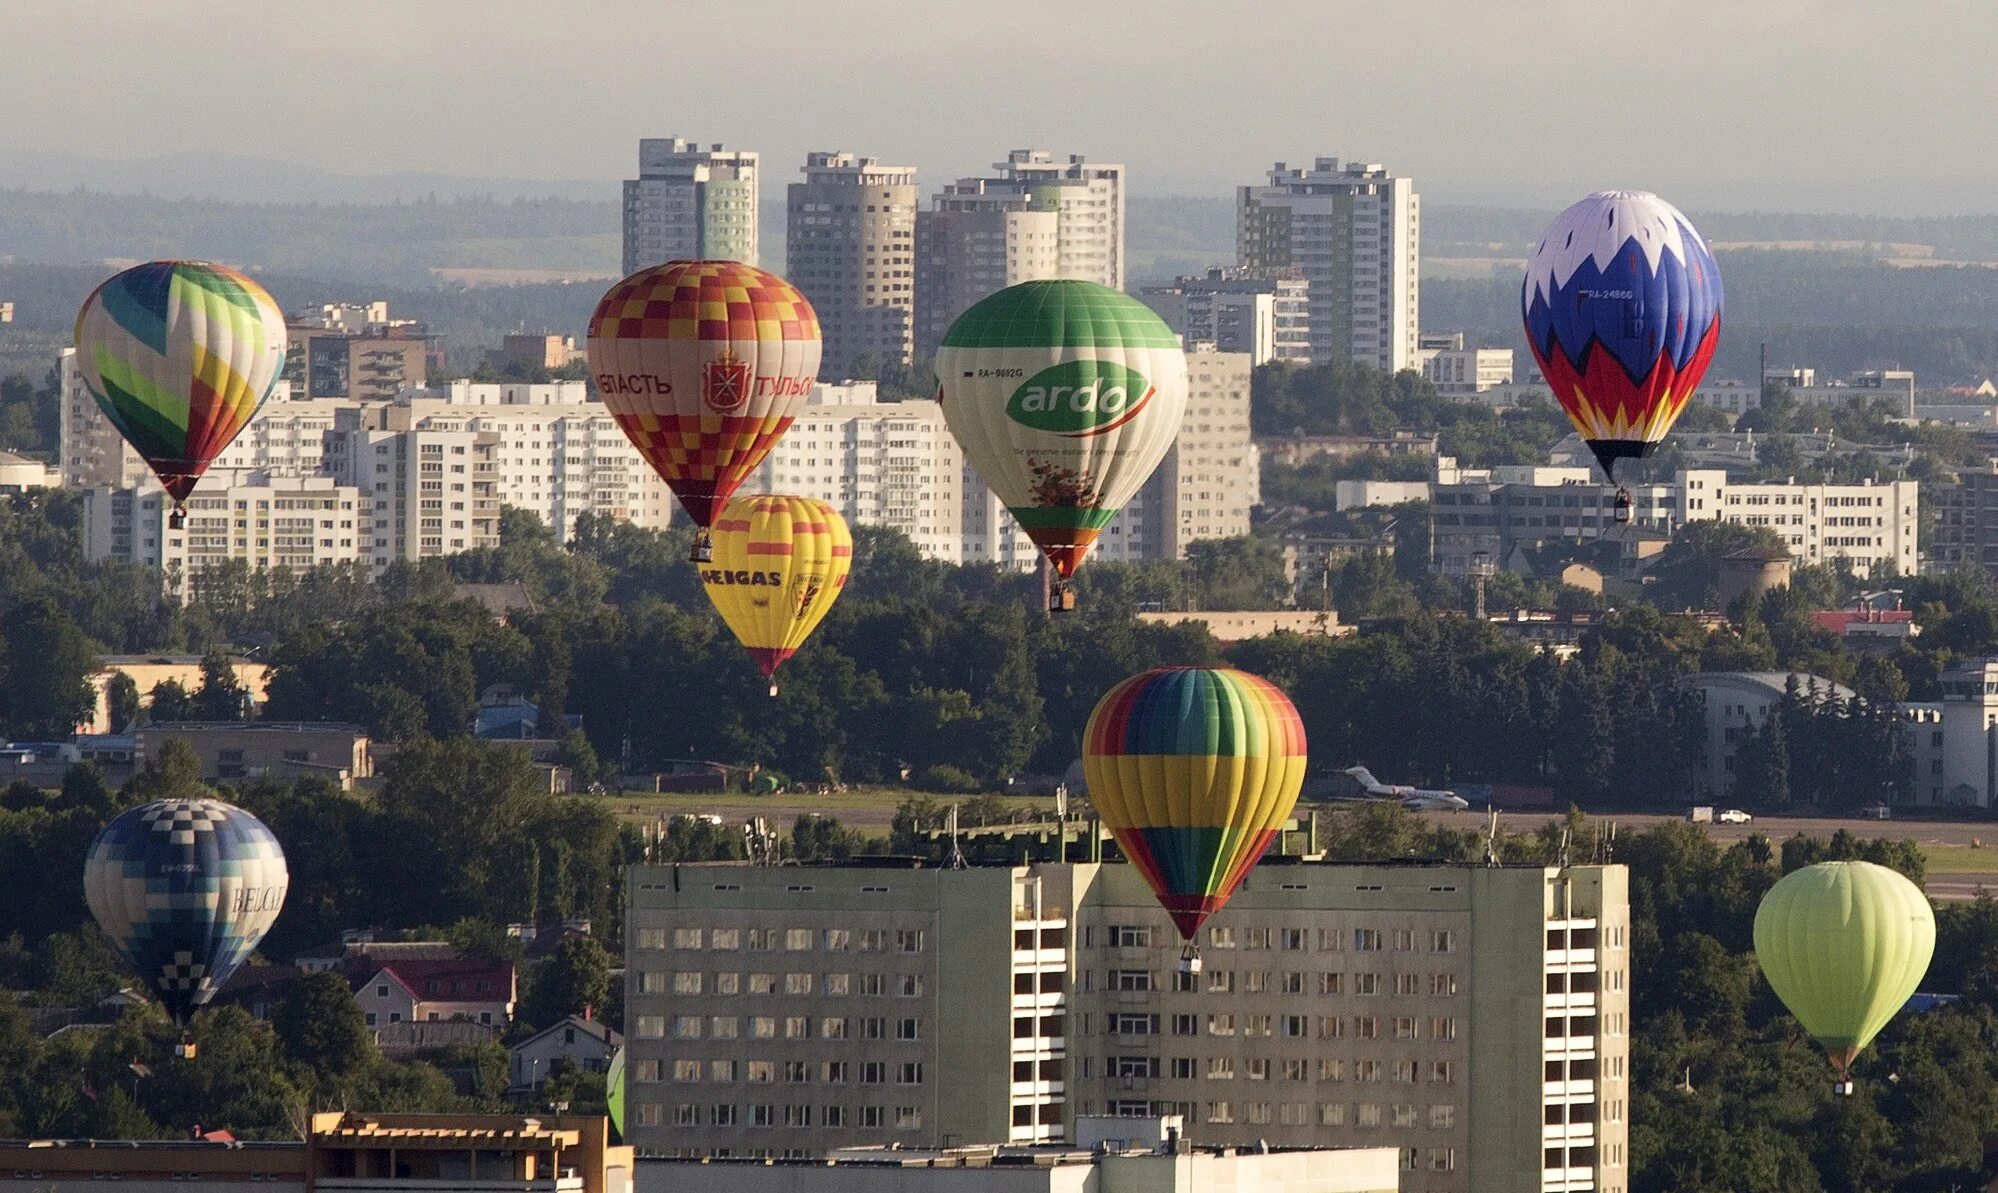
(1038, 219)
(355, 350)
(255, 518)
(537, 350)
(1871, 527)
(850, 247)
(1460, 372)
(1354, 233)
(1269, 318)
(1473, 1018)
(1953, 742)
(1967, 519)
(688, 202)
(890, 464)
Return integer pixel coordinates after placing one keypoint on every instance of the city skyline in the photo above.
(1402, 90)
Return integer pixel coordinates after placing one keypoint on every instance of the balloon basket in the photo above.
(1621, 511)
(1842, 1089)
(704, 549)
(1061, 600)
(186, 1049)
(773, 688)
(177, 520)
(1189, 961)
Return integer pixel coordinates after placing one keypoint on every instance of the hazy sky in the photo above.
(1882, 105)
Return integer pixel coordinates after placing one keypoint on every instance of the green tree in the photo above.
(121, 699)
(320, 1024)
(221, 696)
(575, 981)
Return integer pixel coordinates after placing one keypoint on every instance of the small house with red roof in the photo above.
(475, 989)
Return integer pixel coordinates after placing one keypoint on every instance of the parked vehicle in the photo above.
(1734, 816)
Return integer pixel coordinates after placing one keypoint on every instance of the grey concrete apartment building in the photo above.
(1473, 1018)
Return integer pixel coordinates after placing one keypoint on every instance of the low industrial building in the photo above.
(1110, 1155)
(343, 1152)
(234, 751)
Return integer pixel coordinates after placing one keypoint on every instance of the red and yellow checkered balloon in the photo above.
(703, 363)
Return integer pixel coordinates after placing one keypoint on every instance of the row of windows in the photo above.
(794, 1114)
(1262, 981)
(1225, 1068)
(898, 985)
(795, 940)
(772, 1027)
(1296, 1027)
(791, 1072)
(1324, 940)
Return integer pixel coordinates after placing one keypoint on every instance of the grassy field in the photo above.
(871, 809)
(1961, 859)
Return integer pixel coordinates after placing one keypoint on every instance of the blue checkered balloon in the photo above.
(185, 888)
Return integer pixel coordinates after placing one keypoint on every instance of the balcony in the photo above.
(1569, 1134)
(1574, 1000)
(1562, 1091)
(562, 1184)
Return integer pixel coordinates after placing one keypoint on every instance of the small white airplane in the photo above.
(1415, 799)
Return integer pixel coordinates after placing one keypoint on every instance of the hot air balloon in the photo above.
(614, 1092)
(703, 363)
(1065, 395)
(779, 564)
(1622, 303)
(185, 888)
(180, 354)
(1844, 944)
(1194, 770)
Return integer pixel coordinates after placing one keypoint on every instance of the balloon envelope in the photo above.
(185, 889)
(1844, 944)
(1194, 770)
(179, 355)
(1065, 395)
(779, 564)
(703, 364)
(1622, 304)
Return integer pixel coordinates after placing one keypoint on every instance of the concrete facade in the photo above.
(1037, 218)
(688, 202)
(1267, 317)
(1472, 1018)
(1736, 704)
(347, 1152)
(1354, 233)
(850, 247)
(255, 518)
(237, 751)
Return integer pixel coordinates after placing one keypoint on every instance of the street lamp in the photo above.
(1481, 571)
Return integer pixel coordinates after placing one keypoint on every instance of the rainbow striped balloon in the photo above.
(1194, 770)
(180, 354)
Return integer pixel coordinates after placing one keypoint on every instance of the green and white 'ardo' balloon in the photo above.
(1065, 395)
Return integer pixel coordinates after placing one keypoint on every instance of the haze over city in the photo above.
(1797, 105)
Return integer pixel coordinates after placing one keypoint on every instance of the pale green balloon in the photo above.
(1844, 944)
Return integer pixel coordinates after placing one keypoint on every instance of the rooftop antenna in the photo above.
(1491, 836)
(957, 861)
(1561, 857)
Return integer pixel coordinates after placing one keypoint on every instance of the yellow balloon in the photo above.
(779, 564)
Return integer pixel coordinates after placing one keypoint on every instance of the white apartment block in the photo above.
(689, 202)
(850, 247)
(265, 521)
(1473, 1018)
(1872, 527)
(1354, 233)
(433, 473)
(1039, 218)
(1269, 318)
(1460, 372)
(890, 464)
